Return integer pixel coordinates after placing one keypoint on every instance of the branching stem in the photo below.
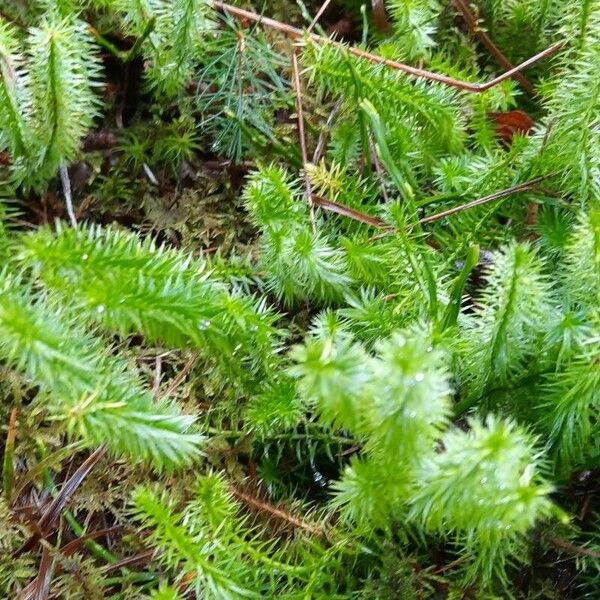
(361, 217)
(487, 41)
(295, 33)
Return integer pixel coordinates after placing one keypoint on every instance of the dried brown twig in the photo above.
(39, 588)
(178, 379)
(515, 189)
(142, 557)
(55, 508)
(8, 470)
(319, 14)
(380, 17)
(361, 217)
(273, 511)
(346, 211)
(573, 548)
(485, 39)
(77, 544)
(295, 33)
(302, 136)
(300, 114)
(319, 150)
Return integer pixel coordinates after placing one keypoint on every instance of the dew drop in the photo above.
(204, 325)
(84, 257)
(419, 377)
(100, 308)
(430, 349)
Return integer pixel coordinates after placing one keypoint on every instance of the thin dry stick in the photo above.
(39, 588)
(142, 557)
(295, 33)
(319, 14)
(181, 375)
(378, 168)
(485, 39)
(516, 189)
(300, 111)
(356, 215)
(318, 150)
(11, 434)
(572, 548)
(84, 206)
(325, 130)
(380, 16)
(278, 513)
(54, 510)
(351, 213)
(66, 183)
(8, 474)
(157, 375)
(522, 187)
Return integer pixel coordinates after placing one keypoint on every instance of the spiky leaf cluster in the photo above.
(484, 488)
(396, 400)
(421, 119)
(514, 309)
(481, 487)
(97, 396)
(213, 551)
(569, 143)
(415, 25)
(47, 95)
(454, 369)
(127, 285)
(301, 263)
(180, 28)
